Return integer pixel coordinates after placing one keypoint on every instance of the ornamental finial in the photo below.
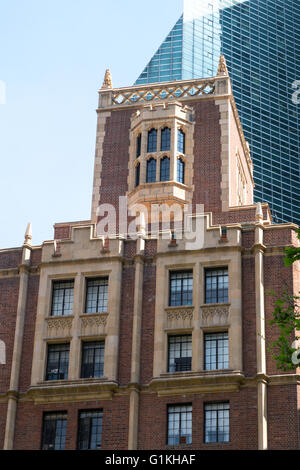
(107, 82)
(222, 69)
(28, 234)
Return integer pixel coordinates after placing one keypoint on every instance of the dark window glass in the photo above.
(151, 171)
(152, 141)
(138, 145)
(180, 353)
(54, 431)
(179, 425)
(216, 286)
(62, 298)
(96, 295)
(137, 175)
(165, 139)
(90, 430)
(165, 169)
(180, 170)
(181, 141)
(58, 361)
(217, 422)
(92, 360)
(181, 288)
(216, 351)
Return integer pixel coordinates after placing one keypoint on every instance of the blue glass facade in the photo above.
(261, 42)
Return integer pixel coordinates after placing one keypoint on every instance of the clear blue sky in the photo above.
(53, 55)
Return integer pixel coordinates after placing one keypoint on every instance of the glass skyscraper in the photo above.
(261, 42)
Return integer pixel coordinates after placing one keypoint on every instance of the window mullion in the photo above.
(63, 306)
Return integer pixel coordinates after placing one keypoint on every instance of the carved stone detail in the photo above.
(92, 324)
(59, 326)
(180, 317)
(163, 92)
(215, 315)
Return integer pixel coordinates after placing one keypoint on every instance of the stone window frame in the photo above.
(180, 335)
(144, 128)
(90, 411)
(88, 278)
(98, 339)
(218, 330)
(79, 292)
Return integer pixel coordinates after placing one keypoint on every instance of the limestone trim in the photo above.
(215, 315)
(59, 326)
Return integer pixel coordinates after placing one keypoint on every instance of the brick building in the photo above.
(148, 342)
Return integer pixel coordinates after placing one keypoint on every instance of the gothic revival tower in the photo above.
(114, 341)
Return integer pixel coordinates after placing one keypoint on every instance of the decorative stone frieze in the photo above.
(214, 315)
(93, 324)
(181, 317)
(59, 327)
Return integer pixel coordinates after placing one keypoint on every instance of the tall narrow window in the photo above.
(96, 295)
(216, 351)
(58, 361)
(180, 353)
(181, 141)
(137, 175)
(138, 145)
(216, 422)
(92, 365)
(180, 170)
(165, 169)
(90, 430)
(216, 285)
(181, 288)
(151, 171)
(179, 425)
(62, 298)
(165, 143)
(54, 431)
(152, 141)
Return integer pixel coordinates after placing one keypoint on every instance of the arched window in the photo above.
(165, 139)
(180, 170)
(181, 141)
(2, 353)
(151, 171)
(165, 169)
(138, 145)
(152, 141)
(137, 175)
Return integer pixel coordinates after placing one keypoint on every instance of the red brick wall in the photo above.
(243, 420)
(126, 322)
(10, 259)
(3, 409)
(115, 423)
(115, 158)
(29, 330)
(148, 319)
(283, 431)
(277, 277)
(207, 156)
(9, 290)
(249, 317)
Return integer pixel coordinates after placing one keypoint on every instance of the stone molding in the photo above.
(214, 315)
(93, 324)
(179, 317)
(59, 327)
